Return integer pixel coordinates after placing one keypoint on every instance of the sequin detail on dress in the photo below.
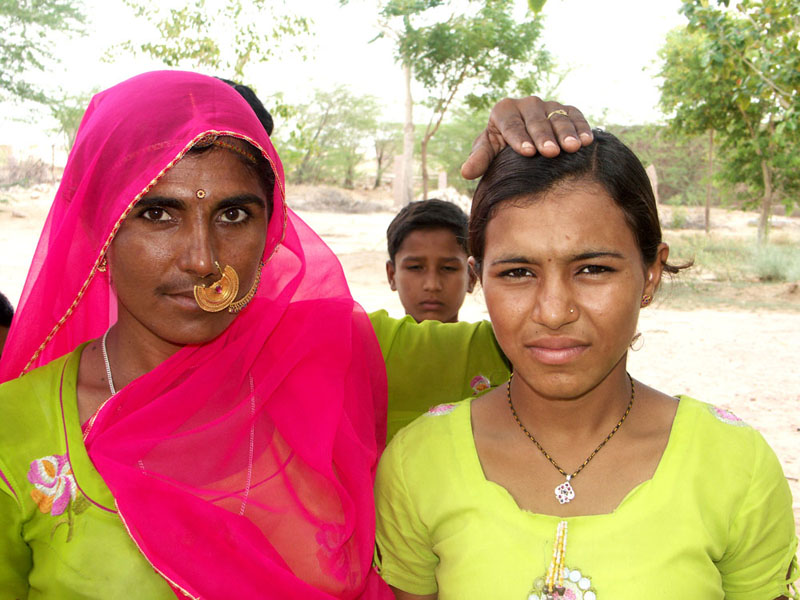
(576, 586)
(726, 416)
(440, 409)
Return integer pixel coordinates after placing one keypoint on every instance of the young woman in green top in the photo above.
(575, 481)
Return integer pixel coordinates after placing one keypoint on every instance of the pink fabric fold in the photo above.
(242, 468)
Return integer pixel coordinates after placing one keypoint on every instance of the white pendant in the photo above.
(564, 492)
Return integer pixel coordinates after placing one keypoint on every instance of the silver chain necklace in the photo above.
(108, 365)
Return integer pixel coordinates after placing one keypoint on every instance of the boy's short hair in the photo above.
(6, 311)
(426, 214)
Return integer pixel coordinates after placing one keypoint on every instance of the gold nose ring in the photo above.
(220, 294)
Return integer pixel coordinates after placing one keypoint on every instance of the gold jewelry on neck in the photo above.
(564, 492)
(220, 294)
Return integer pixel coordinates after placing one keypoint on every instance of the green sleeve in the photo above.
(405, 557)
(762, 541)
(432, 363)
(15, 554)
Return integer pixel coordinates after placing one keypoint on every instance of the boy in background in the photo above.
(427, 266)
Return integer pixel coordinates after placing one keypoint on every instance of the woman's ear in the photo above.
(654, 271)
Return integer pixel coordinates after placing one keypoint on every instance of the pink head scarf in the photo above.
(242, 468)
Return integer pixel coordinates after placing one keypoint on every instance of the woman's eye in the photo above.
(156, 214)
(234, 215)
(595, 269)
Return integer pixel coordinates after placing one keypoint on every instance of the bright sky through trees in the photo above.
(610, 45)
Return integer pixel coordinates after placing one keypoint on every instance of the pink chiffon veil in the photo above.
(243, 467)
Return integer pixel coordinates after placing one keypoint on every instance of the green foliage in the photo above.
(735, 260)
(26, 43)
(482, 46)
(330, 137)
(198, 33)
(453, 143)
(736, 70)
(68, 111)
(388, 143)
(777, 263)
(475, 44)
(679, 159)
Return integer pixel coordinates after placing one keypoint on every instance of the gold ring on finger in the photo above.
(559, 111)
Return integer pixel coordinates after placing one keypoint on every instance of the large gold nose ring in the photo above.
(220, 294)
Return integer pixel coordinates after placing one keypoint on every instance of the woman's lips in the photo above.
(556, 351)
(184, 300)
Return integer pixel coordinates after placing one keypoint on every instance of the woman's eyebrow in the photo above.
(588, 255)
(160, 202)
(240, 199)
(597, 254)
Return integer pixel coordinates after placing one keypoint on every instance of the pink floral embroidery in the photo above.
(55, 491)
(441, 409)
(726, 416)
(480, 383)
(54, 484)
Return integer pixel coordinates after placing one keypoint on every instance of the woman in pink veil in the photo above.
(235, 455)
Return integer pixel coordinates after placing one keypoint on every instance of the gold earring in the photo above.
(646, 300)
(220, 294)
(235, 307)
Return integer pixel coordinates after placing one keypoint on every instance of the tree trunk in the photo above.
(423, 154)
(766, 203)
(379, 169)
(407, 183)
(709, 187)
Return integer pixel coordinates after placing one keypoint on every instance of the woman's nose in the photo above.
(198, 255)
(554, 305)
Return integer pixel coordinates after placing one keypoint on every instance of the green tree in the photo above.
(480, 47)
(330, 137)
(387, 140)
(735, 70)
(679, 160)
(67, 110)
(198, 33)
(26, 44)
(454, 141)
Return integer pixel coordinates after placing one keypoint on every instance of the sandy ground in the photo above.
(746, 362)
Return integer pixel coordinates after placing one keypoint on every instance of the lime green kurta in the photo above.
(714, 522)
(54, 542)
(432, 362)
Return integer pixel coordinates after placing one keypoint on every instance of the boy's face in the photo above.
(431, 275)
